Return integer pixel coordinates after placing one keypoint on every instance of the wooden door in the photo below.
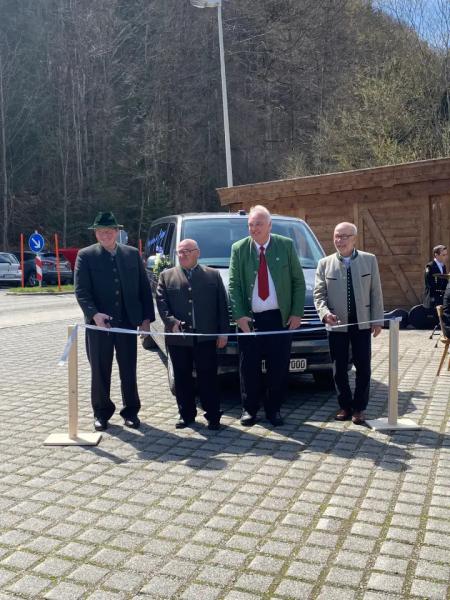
(397, 232)
(440, 220)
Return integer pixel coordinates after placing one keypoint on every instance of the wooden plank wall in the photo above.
(399, 232)
(401, 211)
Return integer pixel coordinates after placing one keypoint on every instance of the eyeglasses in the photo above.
(343, 237)
(185, 252)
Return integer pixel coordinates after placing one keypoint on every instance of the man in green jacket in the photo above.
(267, 293)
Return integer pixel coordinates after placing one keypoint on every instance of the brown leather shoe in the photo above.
(342, 415)
(358, 417)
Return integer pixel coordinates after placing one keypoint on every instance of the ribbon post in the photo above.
(73, 437)
(393, 422)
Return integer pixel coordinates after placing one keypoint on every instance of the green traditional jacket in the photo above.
(285, 270)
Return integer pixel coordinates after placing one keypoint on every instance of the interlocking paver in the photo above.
(299, 512)
(429, 590)
(30, 586)
(53, 567)
(291, 588)
(65, 591)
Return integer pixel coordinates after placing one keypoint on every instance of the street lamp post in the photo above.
(226, 123)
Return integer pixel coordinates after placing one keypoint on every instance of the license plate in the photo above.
(296, 365)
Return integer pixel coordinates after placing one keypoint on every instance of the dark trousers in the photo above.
(360, 341)
(276, 350)
(100, 348)
(202, 356)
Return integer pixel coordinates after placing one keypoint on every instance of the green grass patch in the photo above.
(46, 289)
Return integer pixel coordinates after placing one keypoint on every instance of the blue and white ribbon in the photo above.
(65, 355)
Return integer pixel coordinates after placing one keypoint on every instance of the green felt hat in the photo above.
(105, 220)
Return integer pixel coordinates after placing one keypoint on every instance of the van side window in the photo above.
(159, 239)
(168, 238)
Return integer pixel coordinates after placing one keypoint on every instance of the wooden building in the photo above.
(401, 211)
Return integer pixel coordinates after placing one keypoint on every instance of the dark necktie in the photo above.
(263, 276)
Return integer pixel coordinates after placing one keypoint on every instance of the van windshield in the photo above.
(216, 236)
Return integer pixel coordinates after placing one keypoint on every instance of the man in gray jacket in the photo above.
(347, 292)
(191, 298)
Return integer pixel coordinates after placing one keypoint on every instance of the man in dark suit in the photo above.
(113, 290)
(267, 289)
(192, 298)
(435, 286)
(446, 310)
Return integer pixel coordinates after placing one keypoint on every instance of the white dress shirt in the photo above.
(440, 265)
(271, 302)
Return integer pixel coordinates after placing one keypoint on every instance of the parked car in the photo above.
(215, 233)
(49, 271)
(10, 269)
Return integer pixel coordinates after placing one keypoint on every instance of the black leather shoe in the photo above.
(276, 419)
(132, 422)
(214, 425)
(247, 419)
(182, 424)
(100, 424)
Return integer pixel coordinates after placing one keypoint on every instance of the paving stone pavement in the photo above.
(315, 509)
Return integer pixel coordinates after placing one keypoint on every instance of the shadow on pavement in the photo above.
(309, 428)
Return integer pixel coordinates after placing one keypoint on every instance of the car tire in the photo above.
(170, 375)
(324, 379)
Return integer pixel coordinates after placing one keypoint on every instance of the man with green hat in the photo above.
(113, 290)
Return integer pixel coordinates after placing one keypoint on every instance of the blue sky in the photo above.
(430, 18)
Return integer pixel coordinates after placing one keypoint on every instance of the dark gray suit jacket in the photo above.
(176, 297)
(95, 289)
(446, 312)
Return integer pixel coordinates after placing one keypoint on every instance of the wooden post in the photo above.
(73, 438)
(73, 387)
(393, 422)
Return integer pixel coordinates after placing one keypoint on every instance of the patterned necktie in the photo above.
(263, 276)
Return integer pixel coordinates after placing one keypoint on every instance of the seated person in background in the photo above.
(446, 313)
(435, 286)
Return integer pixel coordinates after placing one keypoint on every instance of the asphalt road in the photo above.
(16, 310)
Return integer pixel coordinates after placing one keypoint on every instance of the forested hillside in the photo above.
(116, 104)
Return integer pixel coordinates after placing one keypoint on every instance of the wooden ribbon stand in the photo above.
(393, 422)
(73, 437)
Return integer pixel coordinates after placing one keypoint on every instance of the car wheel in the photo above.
(170, 375)
(31, 281)
(324, 379)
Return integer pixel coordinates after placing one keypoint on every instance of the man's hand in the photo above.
(243, 324)
(221, 341)
(176, 327)
(144, 326)
(331, 319)
(102, 320)
(376, 330)
(294, 322)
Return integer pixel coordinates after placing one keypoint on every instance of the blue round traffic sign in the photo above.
(36, 242)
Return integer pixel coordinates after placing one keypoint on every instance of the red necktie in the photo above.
(263, 276)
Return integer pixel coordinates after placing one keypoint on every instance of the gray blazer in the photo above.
(330, 291)
(204, 297)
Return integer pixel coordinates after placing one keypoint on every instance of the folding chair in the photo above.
(444, 339)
